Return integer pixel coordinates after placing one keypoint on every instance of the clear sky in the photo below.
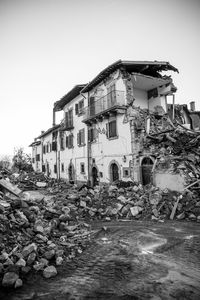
(48, 46)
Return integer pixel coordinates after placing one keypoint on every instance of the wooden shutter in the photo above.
(76, 108)
(83, 136)
(107, 130)
(78, 138)
(66, 119)
(89, 134)
(72, 144)
(67, 142)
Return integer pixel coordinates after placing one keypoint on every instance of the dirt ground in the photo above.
(127, 260)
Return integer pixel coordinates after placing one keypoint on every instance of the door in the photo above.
(147, 165)
(114, 172)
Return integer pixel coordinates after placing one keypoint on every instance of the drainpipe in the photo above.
(88, 151)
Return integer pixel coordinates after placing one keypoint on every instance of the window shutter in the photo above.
(83, 136)
(78, 138)
(72, 140)
(76, 108)
(96, 133)
(107, 130)
(67, 141)
(89, 134)
(66, 119)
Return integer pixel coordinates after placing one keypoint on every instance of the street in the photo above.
(127, 260)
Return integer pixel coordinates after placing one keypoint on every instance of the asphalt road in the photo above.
(128, 260)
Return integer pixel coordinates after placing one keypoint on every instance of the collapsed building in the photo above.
(122, 125)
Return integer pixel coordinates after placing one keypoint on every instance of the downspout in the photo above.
(88, 151)
(58, 157)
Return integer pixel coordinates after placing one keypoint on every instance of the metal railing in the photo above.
(114, 98)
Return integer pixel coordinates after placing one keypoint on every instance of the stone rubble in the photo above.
(39, 232)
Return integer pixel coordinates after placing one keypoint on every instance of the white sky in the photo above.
(48, 46)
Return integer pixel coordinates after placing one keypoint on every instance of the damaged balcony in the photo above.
(112, 103)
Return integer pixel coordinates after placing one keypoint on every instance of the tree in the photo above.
(5, 162)
(22, 161)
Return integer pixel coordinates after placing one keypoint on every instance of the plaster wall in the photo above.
(173, 182)
(140, 98)
(78, 154)
(105, 150)
(50, 157)
(37, 165)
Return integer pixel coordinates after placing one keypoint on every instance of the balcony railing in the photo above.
(66, 124)
(110, 101)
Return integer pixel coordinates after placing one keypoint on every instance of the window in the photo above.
(69, 119)
(79, 107)
(126, 172)
(54, 146)
(43, 168)
(47, 148)
(92, 134)
(38, 157)
(50, 147)
(62, 167)
(111, 129)
(55, 168)
(33, 160)
(81, 137)
(70, 141)
(82, 168)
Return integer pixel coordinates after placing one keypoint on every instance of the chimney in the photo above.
(192, 105)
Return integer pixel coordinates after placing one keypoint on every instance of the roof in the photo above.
(49, 131)
(35, 143)
(151, 68)
(58, 105)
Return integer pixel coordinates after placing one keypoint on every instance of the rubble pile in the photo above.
(177, 151)
(136, 202)
(37, 233)
(27, 181)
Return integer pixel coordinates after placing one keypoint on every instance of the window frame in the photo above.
(108, 129)
(81, 137)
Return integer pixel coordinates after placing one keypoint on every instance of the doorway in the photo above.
(146, 166)
(95, 180)
(114, 172)
(71, 173)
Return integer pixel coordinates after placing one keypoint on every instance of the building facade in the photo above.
(100, 137)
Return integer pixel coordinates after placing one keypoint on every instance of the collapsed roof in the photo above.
(150, 68)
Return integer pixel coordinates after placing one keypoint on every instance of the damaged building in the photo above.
(108, 123)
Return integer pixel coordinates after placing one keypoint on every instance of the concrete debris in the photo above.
(49, 272)
(40, 230)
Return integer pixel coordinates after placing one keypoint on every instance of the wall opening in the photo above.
(146, 167)
(71, 173)
(95, 179)
(114, 172)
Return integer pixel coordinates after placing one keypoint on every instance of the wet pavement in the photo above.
(127, 260)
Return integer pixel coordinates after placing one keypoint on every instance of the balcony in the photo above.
(66, 125)
(110, 103)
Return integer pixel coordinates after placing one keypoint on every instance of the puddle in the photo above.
(149, 242)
